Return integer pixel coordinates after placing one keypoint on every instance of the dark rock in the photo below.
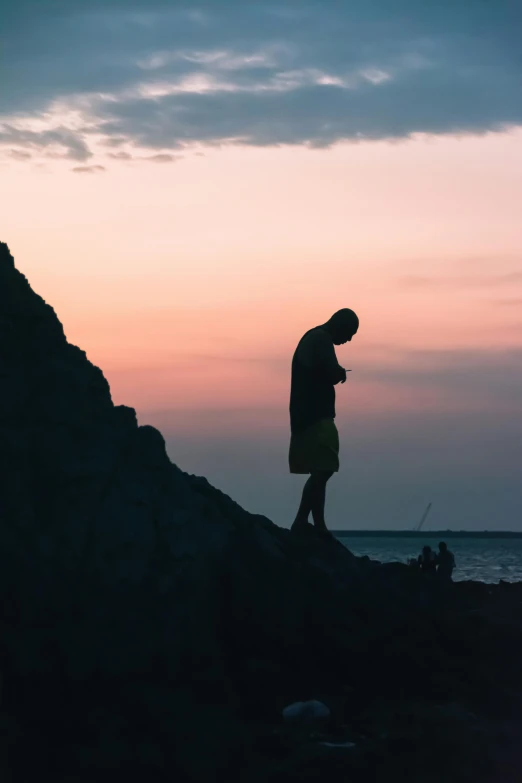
(150, 626)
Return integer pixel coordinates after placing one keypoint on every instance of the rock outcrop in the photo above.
(150, 626)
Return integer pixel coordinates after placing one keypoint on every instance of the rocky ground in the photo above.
(152, 629)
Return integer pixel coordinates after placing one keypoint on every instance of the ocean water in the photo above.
(481, 559)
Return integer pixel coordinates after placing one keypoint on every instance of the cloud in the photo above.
(463, 281)
(510, 302)
(19, 155)
(88, 169)
(120, 155)
(466, 378)
(162, 158)
(160, 76)
(58, 142)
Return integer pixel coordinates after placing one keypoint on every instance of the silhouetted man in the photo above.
(445, 562)
(314, 443)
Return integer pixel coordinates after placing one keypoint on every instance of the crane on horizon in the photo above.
(423, 518)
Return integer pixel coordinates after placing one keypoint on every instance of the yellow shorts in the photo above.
(315, 448)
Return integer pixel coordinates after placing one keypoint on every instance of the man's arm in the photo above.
(317, 351)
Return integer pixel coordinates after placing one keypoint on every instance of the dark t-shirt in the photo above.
(446, 563)
(315, 371)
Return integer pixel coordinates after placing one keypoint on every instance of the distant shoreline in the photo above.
(427, 534)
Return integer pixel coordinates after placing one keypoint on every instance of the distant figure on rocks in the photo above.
(428, 560)
(314, 442)
(445, 562)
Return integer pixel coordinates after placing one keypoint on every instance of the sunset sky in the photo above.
(193, 185)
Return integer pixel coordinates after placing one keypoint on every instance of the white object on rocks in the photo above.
(306, 711)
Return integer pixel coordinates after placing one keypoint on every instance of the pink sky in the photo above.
(189, 283)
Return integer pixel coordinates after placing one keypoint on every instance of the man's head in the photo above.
(443, 547)
(343, 325)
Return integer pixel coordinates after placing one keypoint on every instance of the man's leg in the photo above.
(313, 500)
(320, 479)
(301, 520)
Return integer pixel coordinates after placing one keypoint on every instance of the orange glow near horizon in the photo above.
(190, 283)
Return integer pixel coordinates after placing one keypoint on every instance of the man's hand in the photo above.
(343, 375)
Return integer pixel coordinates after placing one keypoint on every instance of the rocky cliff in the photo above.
(150, 626)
